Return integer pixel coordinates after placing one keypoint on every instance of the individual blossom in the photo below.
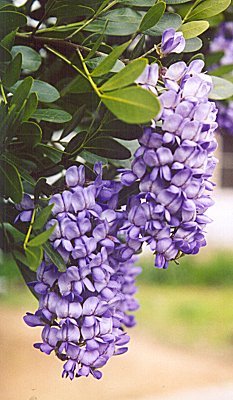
(172, 42)
(173, 165)
(26, 207)
(85, 309)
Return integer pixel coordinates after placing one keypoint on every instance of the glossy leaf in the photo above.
(126, 76)
(41, 238)
(107, 64)
(10, 183)
(133, 105)
(209, 8)
(223, 89)
(52, 115)
(13, 71)
(152, 16)
(31, 60)
(194, 28)
(54, 256)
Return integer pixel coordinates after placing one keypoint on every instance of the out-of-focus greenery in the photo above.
(199, 318)
(213, 268)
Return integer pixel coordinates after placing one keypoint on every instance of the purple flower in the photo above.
(172, 42)
(84, 310)
(173, 165)
(26, 207)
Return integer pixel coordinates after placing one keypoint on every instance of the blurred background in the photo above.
(180, 349)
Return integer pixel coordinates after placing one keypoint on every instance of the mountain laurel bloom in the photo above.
(173, 165)
(84, 310)
(172, 42)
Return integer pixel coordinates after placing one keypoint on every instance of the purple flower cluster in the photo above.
(173, 166)
(84, 310)
(223, 42)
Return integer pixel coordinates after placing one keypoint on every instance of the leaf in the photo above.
(10, 183)
(46, 93)
(126, 76)
(5, 55)
(108, 148)
(192, 45)
(168, 20)
(194, 28)
(121, 130)
(30, 106)
(31, 60)
(21, 91)
(15, 233)
(94, 62)
(76, 143)
(107, 64)
(42, 217)
(51, 152)
(76, 119)
(52, 115)
(30, 133)
(222, 70)
(42, 237)
(12, 74)
(33, 257)
(133, 105)
(28, 275)
(222, 89)
(9, 21)
(152, 16)
(92, 158)
(55, 257)
(209, 8)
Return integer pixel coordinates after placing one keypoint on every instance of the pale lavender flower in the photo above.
(172, 42)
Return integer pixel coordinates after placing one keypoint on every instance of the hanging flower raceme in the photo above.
(174, 164)
(223, 42)
(84, 310)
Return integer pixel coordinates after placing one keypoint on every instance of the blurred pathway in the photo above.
(149, 371)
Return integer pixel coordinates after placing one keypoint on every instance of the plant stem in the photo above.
(29, 229)
(88, 74)
(3, 93)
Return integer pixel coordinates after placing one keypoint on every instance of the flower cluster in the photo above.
(223, 42)
(173, 166)
(84, 310)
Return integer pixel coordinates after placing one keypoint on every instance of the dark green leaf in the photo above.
(30, 106)
(13, 71)
(76, 143)
(31, 60)
(220, 71)
(152, 16)
(9, 21)
(51, 152)
(42, 217)
(52, 115)
(108, 148)
(5, 55)
(126, 76)
(107, 64)
(21, 91)
(76, 119)
(121, 130)
(93, 158)
(28, 275)
(46, 93)
(30, 133)
(133, 105)
(10, 183)
(41, 238)
(54, 256)
(15, 233)
(32, 257)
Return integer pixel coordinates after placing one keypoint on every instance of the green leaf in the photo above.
(30, 106)
(133, 105)
(51, 152)
(42, 237)
(55, 257)
(42, 217)
(222, 70)
(9, 21)
(222, 89)
(52, 115)
(32, 258)
(209, 8)
(30, 133)
(108, 148)
(28, 275)
(152, 16)
(168, 20)
(10, 183)
(107, 64)
(118, 129)
(76, 143)
(192, 45)
(21, 91)
(126, 76)
(92, 158)
(194, 28)
(76, 119)
(46, 93)
(12, 74)
(15, 233)
(31, 60)
(94, 63)
(5, 55)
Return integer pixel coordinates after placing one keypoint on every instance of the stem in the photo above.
(29, 229)
(88, 74)
(3, 93)
(190, 10)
